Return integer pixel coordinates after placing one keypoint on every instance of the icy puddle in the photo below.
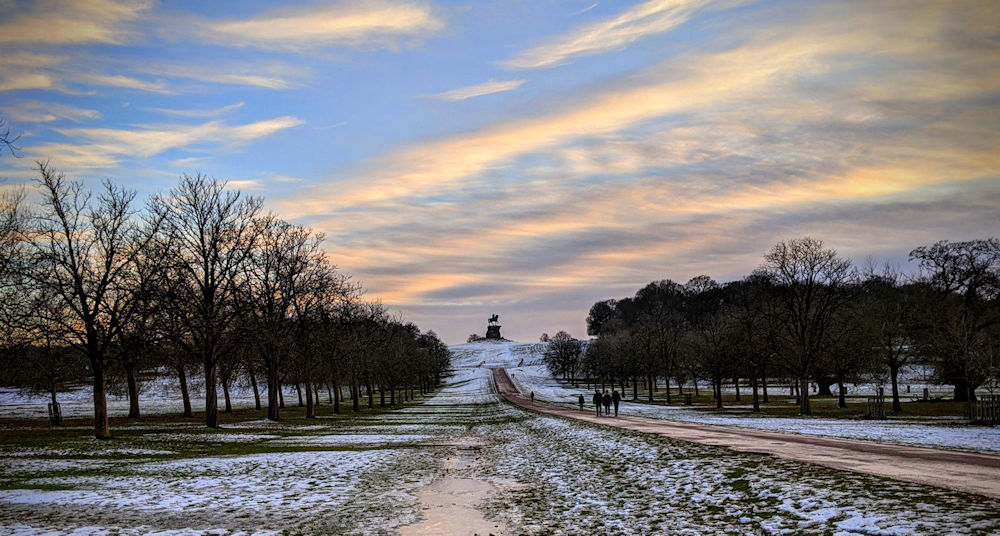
(463, 463)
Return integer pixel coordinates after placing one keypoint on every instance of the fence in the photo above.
(985, 410)
(876, 408)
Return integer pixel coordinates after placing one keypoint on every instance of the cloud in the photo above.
(368, 23)
(121, 81)
(267, 75)
(54, 22)
(46, 112)
(216, 112)
(612, 33)
(696, 164)
(486, 88)
(104, 148)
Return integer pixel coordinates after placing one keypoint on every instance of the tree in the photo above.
(600, 313)
(212, 232)
(85, 253)
(811, 283)
(8, 140)
(563, 355)
(959, 324)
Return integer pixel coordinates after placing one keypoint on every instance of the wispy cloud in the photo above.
(105, 148)
(54, 22)
(215, 112)
(486, 88)
(121, 81)
(613, 33)
(46, 112)
(772, 135)
(353, 24)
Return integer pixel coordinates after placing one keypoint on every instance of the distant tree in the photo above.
(600, 313)
(544, 338)
(811, 283)
(959, 326)
(563, 355)
(474, 338)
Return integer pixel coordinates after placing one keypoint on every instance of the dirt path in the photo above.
(967, 472)
(449, 503)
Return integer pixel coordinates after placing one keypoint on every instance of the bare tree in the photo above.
(811, 283)
(85, 253)
(212, 232)
(8, 140)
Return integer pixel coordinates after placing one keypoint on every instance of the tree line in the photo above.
(809, 315)
(200, 276)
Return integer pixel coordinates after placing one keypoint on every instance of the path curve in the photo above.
(961, 471)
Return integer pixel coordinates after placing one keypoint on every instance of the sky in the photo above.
(528, 158)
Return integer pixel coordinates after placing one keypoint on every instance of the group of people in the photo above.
(605, 398)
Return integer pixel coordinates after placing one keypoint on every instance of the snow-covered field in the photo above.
(364, 474)
(533, 376)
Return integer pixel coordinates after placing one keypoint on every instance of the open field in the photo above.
(397, 471)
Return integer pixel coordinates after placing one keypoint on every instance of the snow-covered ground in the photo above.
(535, 377)
(159, 396)
(363, 474)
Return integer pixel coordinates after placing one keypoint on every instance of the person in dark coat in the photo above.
(607, 402)
(532, 396)
(616, 399)
(581, 401)
(597, 401)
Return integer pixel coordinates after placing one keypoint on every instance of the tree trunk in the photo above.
(756, 397)
(309, 400)
(101, 428)
(381, 397)
(225, 392)
(718, 393)
(253, 383)
(842, 394)
(133, 390)
(56, 416)
(763, 381)
(804, 408)
(336, 397)
(649, 384)
(185, 394)
(356, 396)
(273, 393)
(371, 396)
(281, 395)
(894, 372)
(392, 395)
(736, 382)
(316, 394)
(329, 393)
(961, 390)
(298, 389)
(696, 386)
(211, 397)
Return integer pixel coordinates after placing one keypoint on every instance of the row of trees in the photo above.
(200, 275)
(809, 315)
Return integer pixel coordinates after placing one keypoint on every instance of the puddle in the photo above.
(449, 503)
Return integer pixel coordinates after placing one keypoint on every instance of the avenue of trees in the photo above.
(806, 315)
(200, 278)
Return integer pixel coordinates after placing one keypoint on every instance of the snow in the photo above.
(535, 377)
(363, 475)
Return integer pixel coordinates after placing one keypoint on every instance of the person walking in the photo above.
(607, 402)
(532, 396)
(581, 401)
(616, 399)
(597, 401)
